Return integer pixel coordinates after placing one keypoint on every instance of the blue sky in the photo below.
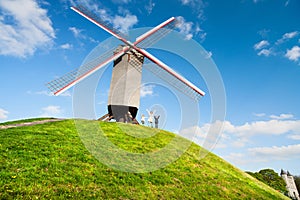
(254, 43)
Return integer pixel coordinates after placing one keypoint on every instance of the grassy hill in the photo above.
(49, 161)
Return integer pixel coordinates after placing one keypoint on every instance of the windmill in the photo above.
(124, 93)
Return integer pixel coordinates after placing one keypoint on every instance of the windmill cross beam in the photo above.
(128, 59)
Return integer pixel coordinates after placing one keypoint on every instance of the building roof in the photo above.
(282, 172)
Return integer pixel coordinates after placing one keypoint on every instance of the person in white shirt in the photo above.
(150, 119)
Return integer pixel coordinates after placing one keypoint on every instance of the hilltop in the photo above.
(50, 161)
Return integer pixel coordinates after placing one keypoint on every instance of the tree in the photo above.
(297, 182)
(271, 178)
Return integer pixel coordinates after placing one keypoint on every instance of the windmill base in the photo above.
(122, 113)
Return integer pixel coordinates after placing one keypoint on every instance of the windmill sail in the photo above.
(173, 75)
(128, 60)
(145, 40)
(155, 34)
(92, 17)
(148, 38)
(180, 86)
(63, 83)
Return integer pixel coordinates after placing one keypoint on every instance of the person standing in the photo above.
(143, 119)
(156, 120)
(150, 119)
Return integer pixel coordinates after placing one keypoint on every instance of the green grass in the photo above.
(24, 121)
(49, 161)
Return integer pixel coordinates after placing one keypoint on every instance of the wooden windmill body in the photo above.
(124, 93)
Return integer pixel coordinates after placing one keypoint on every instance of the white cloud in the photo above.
(76, 32)
(121, 1)
(185, 2)
(50, 94)
(102, 102)
(197, 29)
(208, 55)
(265, 52)
(287, 3)
(263, 33)
(147, 90)
(282, 116)
(271, 127)
(51, 111)
(3, 114)
(189, 36)
(203, 36)
(207, 136)
(124, 23)
(264, 49)
(259, 155)
(66, 46)
(277, 126)
(259, 114)
(294, 136)
(149, 7)
(276, 152)
(261, 44)
(239, 142)
(290, 35)
(197, 6)
(293, 54)
(44, 92)
(238, 135)
(24, 28)
(66, 94)
(193, 3)
(185, 27)
(287, 36)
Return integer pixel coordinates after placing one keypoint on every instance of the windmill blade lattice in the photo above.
(173, 81)
(99, 20)
(159, 34)
(64, 82)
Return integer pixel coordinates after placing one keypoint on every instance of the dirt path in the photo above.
(29, 123)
